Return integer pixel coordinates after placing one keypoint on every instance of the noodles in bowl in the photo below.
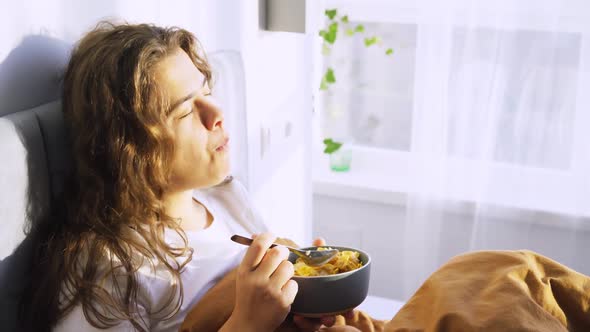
(344, 261)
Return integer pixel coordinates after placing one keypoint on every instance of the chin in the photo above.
(216, 176)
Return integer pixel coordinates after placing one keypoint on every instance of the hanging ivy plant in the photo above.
(329, 36)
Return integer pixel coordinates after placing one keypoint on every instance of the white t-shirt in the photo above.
(214, 255)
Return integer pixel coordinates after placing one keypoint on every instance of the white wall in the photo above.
(275, 64)
(278, 96)
(375, 228)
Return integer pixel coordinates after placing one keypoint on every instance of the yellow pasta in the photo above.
(344, 261)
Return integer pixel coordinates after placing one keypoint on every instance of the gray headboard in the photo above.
(34, 157)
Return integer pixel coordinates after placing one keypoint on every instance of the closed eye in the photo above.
(187, 114)
(192, 109)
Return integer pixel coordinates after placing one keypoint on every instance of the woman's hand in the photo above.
(264, 289)
(314, 324)
(340, 329)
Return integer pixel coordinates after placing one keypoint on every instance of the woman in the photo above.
(134, 246)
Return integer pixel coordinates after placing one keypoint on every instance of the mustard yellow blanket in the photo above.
(483, 291)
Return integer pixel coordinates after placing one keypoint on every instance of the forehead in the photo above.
(177, 75)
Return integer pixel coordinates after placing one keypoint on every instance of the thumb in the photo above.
(318, 242)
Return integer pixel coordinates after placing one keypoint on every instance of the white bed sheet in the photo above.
(380, 307)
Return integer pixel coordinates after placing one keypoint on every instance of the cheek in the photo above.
(196, 151)
(186, 145)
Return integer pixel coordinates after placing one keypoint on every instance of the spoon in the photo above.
(310, 257)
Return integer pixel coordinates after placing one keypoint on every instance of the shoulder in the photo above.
(231, 193)
(233, 197)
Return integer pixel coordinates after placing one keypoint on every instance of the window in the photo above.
(371, 102)
(481, 101)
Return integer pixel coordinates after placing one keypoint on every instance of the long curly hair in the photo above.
(110, 220)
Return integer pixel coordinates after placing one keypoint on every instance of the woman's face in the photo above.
(201, 157)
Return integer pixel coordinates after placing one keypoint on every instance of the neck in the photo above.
(180, 204)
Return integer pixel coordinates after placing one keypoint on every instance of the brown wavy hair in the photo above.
(110, 220)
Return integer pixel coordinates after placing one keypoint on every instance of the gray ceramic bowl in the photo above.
(332, 294)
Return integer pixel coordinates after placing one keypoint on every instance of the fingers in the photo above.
(282, 274)
(271, 261)
(319, 242)
(307, 324)
(289, 291)
(328, 320)
(340, 329)
(313, 324)
(257, 251)
(349, 314)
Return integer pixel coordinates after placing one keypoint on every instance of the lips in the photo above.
(223, 145)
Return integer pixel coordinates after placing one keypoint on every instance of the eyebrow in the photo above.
(181, 101)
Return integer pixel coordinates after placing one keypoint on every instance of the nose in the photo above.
(217, 118)
(212, 118)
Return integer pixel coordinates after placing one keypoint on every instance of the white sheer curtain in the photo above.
(481, 117)
(500, 142)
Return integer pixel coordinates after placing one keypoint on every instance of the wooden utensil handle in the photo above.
(245, 241)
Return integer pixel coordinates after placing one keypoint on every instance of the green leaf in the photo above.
(331, 146)
(349, 32)
(371, 41)
(323, 85)
(344, 19)
(331, 13)
(322, 33)
(330, 77)
(330, 35)
(359, 28)
(389, 51)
